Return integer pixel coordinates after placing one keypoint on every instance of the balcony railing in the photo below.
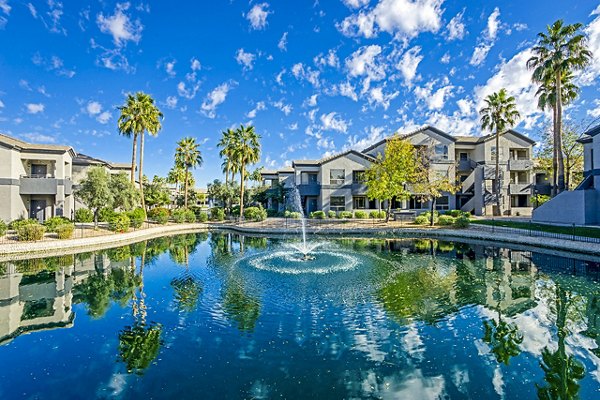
(309, 189)
(520, 165)
(520, 188)
(38, 185)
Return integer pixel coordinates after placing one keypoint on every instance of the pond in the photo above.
(227, 316)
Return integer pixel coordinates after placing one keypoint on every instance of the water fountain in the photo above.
(295, 202)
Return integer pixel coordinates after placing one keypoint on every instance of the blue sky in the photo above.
(314, 77)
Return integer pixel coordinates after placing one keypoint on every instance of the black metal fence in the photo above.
(532, 230)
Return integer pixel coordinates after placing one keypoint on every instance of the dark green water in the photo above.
(223, 316)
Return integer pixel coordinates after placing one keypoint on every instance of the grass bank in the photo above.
(566, 230)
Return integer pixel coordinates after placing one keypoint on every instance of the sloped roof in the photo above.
(485, 138)
(84, 159)
(593, 131)
(21, 145)
(409, 134)
(333, 157)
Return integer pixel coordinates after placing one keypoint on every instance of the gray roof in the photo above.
(409, 134)
(83, 159)
(333, 157)
(593, 131)
(21, 145)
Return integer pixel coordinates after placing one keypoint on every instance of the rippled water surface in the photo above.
(226, 316)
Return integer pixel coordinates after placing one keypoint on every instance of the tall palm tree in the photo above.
(562, 49)
(499, 114)
(546, 95)
(139, 115)
(226, 144)
(188, 155)
(176, 176)
(246, 151)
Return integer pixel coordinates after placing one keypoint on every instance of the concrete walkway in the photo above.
(23, 250)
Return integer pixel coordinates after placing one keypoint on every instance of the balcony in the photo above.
(466, 164)
(68, 184)
(35, 184)
(309, 189)
(520, 188)
(359, 188)
(520, 165)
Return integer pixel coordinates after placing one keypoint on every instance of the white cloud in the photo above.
(32, 10)
(374, 134)
(170, 68)
(54, 63)
(325, 143)
(378, 98)
(216, 97)
(195, 64)
(592, 112)
(37, 137)
(445, 58)
(94, 108)
(401, 18)
(120, 26)
(311, 101)
(1, 104)
(283, 42)
(171, 102)
(302, 72)
(333, 122)
(465, 106)
(34, 108)
(188, 92)
(330, 59)
(104, 117)
(365, 62)
(408, 64)
(284, 108)
(456, 28)
(355, 3)
(485, 44)
(5, 7)
(346, 89)
(259, 107)
(258, 16)
(293, 127)
(592, 31)
(245, 59)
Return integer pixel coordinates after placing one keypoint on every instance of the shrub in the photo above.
(119, 222)
(422, 220)
(331, 214)
(190, 216)
(65, 231)
(84, 215)
(105, 214)
(292, 214)
(462, 222)
(137, 217)
(255, 213)
(159, 214)
(217, 214)
(446, 220)
(203, 217)
(317, 214)
(457, 213)
(178, 215)
(345, 214)
(52, 223)
(17, 223)
(30, 231)
(360, 214)
(377, 214)
(539, 199)
(436, 216)
(271, 213)
(3, 227)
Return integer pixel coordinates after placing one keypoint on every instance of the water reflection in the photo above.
(417, 319)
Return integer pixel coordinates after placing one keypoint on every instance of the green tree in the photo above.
(188, 155)
(430, 184)
(125, 195)
(246, 151)
(95, 191)
(389, 176)
(241, 307)
(176, 176)
(227, 145)
(504, 339)
(156, 193)
(138, 116)
(558, 52)
(499, 114)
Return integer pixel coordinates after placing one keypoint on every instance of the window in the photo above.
(39, 170)
(464, 156)
(360, 203)
(358, 177)
(337, 176)
(337, 203)
(442, 203)
(493, 151)
(307, 178)
(441, 151)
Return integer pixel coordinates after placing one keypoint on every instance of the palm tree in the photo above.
(139, 115)
(246, 151)
(559, 51)
(188, 156)
(499, 115)
(226, 145)
(176, 176)
(546, 95)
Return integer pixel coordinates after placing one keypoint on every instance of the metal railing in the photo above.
(532, 231)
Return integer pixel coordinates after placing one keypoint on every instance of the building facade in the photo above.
(39, 180)
(337, 183)
(582, 205)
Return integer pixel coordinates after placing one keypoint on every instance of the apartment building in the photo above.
(337, 183)
(38, 180)
(582, 205)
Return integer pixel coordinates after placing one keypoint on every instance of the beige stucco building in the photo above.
(38, 180)
(337, 183)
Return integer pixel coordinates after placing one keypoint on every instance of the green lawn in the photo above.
(567, 230)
